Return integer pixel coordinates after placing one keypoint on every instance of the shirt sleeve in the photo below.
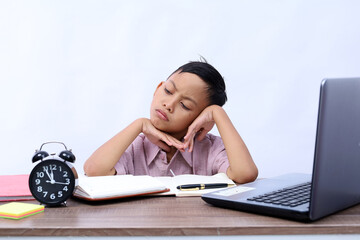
(219, 158)
(125, 165)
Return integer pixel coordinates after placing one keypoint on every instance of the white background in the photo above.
(80, 71)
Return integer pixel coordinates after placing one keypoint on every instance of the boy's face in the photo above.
(177, 102)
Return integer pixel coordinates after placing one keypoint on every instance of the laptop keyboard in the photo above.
(291, 197)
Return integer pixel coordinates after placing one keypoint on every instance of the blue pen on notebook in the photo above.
(201, 186)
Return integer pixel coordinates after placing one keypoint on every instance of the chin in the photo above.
(166, 127)
(158, 124)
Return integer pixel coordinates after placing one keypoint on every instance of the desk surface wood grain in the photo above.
(167, 216)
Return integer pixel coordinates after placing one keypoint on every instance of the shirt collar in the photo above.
(152, 150)
(188, 157)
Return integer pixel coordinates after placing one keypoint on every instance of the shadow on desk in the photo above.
(115, 201)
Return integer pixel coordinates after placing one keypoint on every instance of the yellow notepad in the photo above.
(17, 210)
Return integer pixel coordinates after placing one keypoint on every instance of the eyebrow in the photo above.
(185, 97)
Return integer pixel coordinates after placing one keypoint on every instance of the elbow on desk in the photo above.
(89, 170)
(244, 177)
(93, 169)
(252, 176)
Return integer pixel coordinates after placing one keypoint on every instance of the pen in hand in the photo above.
(190, 187)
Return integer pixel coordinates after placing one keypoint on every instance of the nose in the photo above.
(169, 105)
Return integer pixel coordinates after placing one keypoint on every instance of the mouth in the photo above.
(162, 115)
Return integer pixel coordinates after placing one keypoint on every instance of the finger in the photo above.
(187, 141)
(163, 146)
(176, 143)
(164, 138)
(186, 144)
(173, 142)
(191, 145)
(191, 132)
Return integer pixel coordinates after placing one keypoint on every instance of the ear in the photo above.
(160, 84)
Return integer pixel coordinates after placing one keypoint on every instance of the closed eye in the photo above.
(167, 91)
(184, 106)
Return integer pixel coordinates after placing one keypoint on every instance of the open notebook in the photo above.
(173, 182)
(121, 186)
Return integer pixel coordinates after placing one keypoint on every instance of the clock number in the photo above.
(53, 167)
(45, 168)
(39, 188)
(39, 174)
(52, 196)
(65, 174)
(65, 188)
(60, 194)
(37, 181)
(67, 180)
(45, 193)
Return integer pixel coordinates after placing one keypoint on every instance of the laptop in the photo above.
(335, 180)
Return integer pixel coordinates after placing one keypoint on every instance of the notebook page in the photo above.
(119, 185)
(173, 182)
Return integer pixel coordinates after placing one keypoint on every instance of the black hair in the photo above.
(214, 80)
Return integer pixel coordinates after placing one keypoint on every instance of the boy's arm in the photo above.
(242, 167)
(103, 160)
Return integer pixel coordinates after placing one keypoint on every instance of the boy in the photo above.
(175, 139)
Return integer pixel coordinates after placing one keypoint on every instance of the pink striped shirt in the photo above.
(145, 158)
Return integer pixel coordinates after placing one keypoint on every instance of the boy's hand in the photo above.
(159, 138)
(200, 127)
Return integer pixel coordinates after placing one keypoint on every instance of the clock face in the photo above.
(52, 182)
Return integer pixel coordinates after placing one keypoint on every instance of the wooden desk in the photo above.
(167, 216)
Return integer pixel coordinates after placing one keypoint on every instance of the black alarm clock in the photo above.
(53, 180)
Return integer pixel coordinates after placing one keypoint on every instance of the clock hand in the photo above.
(47, 173)
(52, 182)
(52, 175)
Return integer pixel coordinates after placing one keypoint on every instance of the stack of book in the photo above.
(15, 188)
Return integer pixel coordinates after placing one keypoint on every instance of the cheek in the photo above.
(186, 119)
